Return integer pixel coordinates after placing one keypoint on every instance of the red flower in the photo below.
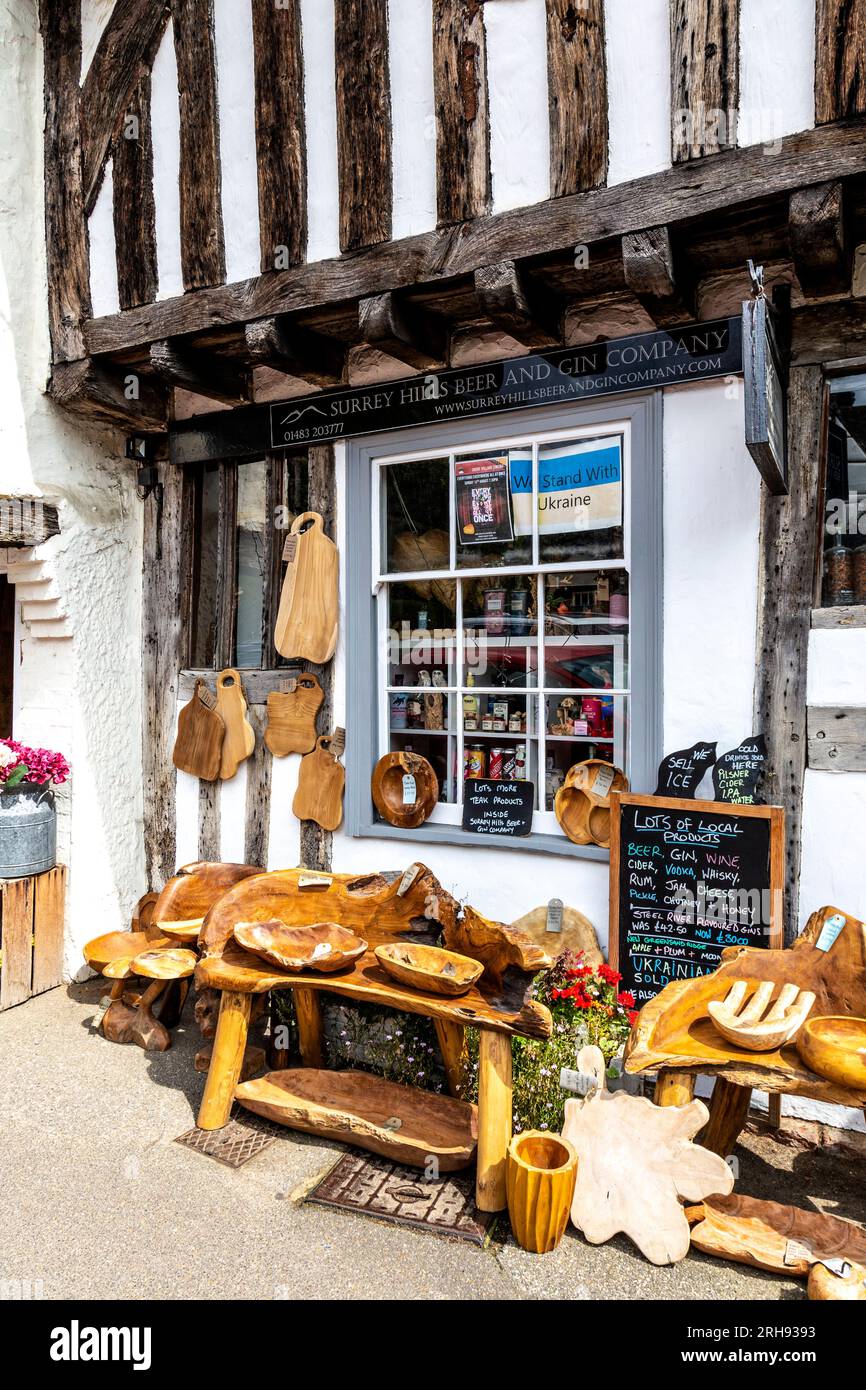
(626, 999)
(608, 974)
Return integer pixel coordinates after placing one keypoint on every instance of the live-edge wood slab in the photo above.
(307, 617)
(753, 1232)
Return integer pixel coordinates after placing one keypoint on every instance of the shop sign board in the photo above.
(766, 433)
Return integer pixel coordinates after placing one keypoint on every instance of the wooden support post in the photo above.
(227, 1060)
(460, 96)
(494, 1118)
(840, 60)
(257, 817)
(577, 95)
(452, 1044)
(316, 843)
(789, 559)
(774, 1109)
(311, 1033)
(704, 76)
(134, 207)
(202, 248)
(674, 1087)
(363, 122)
(281, 161)
(729, 1108)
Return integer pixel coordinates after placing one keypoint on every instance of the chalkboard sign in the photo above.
(737, 775)
(681, 773)
(497, 808)
(687, 879)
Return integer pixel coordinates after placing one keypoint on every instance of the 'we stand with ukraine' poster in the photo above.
(579, 486)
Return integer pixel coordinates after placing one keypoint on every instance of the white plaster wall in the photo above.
(837, 666)
(233, 38)
(95, 14)
(516, 38)
(637, 40)
(320, 110)
(80, 695)
(165, 117)
(413, 123)
(103, 261)
(777, 69)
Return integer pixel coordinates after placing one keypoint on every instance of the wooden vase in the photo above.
(540, 1173)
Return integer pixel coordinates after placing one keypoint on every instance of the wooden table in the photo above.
(238, 977)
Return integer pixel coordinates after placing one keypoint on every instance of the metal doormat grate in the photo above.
(378, 1187)
(236, 1143)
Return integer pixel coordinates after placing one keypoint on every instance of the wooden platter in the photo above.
(182, 931)
(321, 783)
(240, 738)
(119, 945)
(404, 789)
(835, 1048)
(429, 968)
(577, 934)
(200, 734)
(399, 1122)
(771, 1236)
(292, 714)
(171, 963)
(324, 946)
(307, 617)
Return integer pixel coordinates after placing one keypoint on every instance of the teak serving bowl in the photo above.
(429, 968)
(835, 1047)
(326, 946)
(582, 804)
(387, 788)
(173, 963)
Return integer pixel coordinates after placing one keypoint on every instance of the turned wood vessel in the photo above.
(429, 968)
(826, 1287)
(325, 946)
(835, 1047)
(399, 1122)
(396, 775)
(540, 1174)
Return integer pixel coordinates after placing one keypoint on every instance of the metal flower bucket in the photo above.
(28, 830)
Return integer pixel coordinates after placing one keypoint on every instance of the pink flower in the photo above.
(39, 765)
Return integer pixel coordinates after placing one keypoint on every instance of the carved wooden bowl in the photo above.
(387, 788)
(835, 1047)
(582, 804)
(167, 964)
(429, 968)
(326, 946)
(186, 930)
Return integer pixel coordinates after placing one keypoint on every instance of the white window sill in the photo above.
(444, 834)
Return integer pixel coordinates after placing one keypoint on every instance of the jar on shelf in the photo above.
(860, 574)
(838, 576)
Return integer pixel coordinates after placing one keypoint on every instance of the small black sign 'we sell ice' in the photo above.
(498, 808)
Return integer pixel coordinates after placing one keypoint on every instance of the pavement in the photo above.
(97, 1201)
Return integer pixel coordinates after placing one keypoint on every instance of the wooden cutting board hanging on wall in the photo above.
(322, 779)
(200, 735)
(306, 624)
(240, 737)
(292, 713)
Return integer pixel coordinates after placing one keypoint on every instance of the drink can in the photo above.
(474, 761)
(509, 773)
(520, 762)
(494, 767)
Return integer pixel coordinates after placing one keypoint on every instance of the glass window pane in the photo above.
(493, 524)
(204, 587)
(416, 516)
(500, 631)
(252, 530)
(562, 750)
(580, 500)
(421, 634)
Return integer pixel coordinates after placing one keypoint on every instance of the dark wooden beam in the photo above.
(68, 261)
(109, 396)
(732, 180)
(648, 267)
(202, 250)
(280, 133)
(840, 59)
(460, 95)
(316, 844)
(789, 553)
(363, 122)
(511, 302)
(704, 76)
(816, 226)
(577, 95)
(393, 325)
(134, 207)
(26, 521)
(296, 351)
(831, 332)
(192, 370)
(125, 52)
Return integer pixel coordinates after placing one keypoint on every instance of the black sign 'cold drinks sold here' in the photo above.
(646, 360)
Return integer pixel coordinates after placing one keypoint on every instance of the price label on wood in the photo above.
(687, 879)
(498, 808)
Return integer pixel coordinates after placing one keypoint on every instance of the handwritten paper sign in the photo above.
(687, 880)
(498, 808)
(737, 774)
(681, 773)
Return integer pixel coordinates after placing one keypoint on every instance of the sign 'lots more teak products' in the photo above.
(688, 879)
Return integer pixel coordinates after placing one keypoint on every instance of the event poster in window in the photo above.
(483, 501)
(579, 487)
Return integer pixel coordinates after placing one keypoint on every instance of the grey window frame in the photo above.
(643, 413)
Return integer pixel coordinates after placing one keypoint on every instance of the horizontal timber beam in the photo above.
(816, 229)
(298, 352)
(690, 190)
(512, 303)
(178, 365)
(394, 326)
(109, 396)
(648, 267)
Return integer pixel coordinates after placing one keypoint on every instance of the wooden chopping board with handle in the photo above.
(322, 779)
(307, 617)
(240, 737)
(200, 735)
(292, 715)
